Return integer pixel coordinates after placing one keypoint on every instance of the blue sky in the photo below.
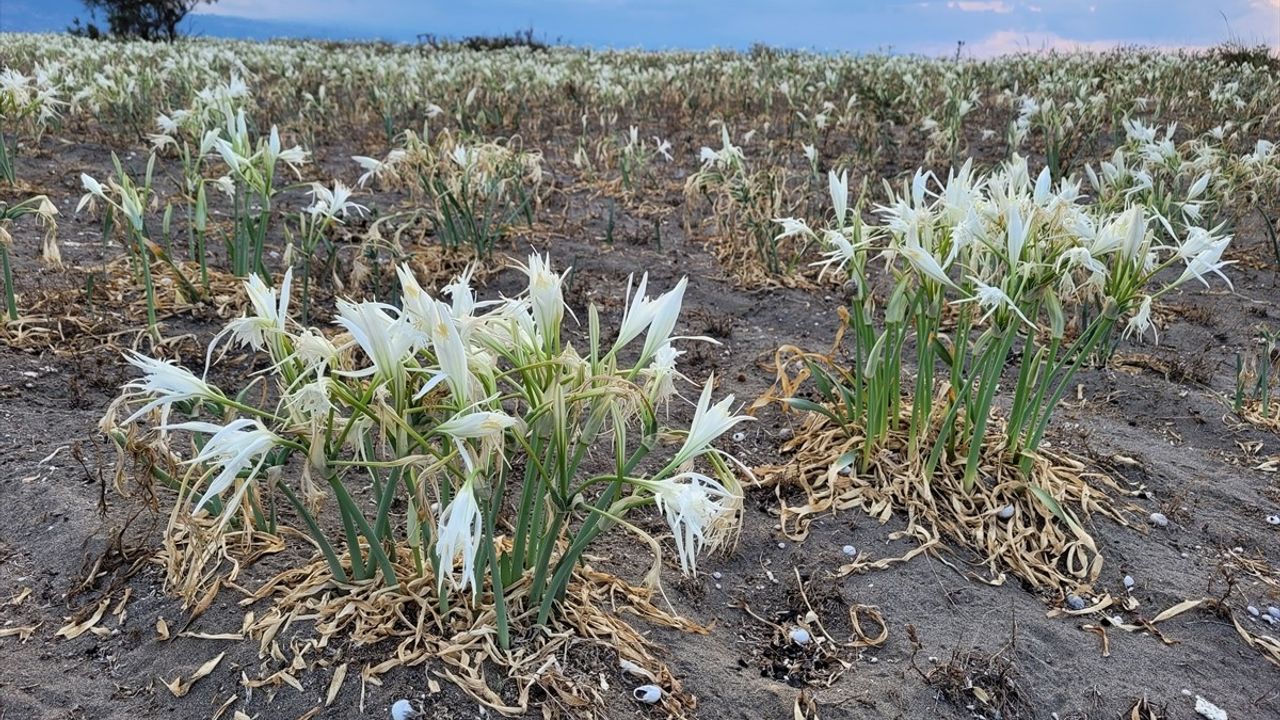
(932, 27)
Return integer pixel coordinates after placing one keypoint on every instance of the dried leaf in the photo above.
(336, 684)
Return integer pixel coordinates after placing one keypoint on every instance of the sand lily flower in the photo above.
(233, 448)
(709, 422)
(334, 204)
(486, 426)
(385, 339)
(693, 504)
(165, 383)
(270, 313)
(546, 298)
(460, 531)
(991, 299)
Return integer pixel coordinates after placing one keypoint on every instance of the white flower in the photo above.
(839, 189)
(1018, 231)
(480, 424)
(638, 315)
(166, 383)
(1198, 187)
(709, 422)
(270, 313)
(314, 350)
(386, 340)
(1043, 187)
(459, 533)
(991, 299)
(335, 203)
(791, 227)
(665, 310)
(93, 189)
(924, 263)
(309, 402)
(1141, 321)
(693, 504)
(545, 295)
(233, 448)
(662, 374)
(1207, 260)
(375, 168)
(839, 251)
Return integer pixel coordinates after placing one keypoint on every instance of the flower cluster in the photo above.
(477, 415)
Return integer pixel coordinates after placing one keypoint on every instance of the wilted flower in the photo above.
(165, 383)
(460, 532)
(693, 504)
(233, 448)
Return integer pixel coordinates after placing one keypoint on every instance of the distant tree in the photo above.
(137, 19)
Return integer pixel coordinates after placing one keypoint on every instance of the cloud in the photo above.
(991, 6)
(318, 11)
(1006, 42)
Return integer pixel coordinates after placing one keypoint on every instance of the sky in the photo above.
(929, 27)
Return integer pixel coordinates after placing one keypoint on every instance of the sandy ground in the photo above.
(1163, 417)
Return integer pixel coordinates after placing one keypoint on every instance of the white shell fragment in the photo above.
(647, 694)
(1005, 512)
(800, 636)
(1158, 519)
(403, 710)
(1208, 710)
(1273, 519)
(739, 437)
(631, 668)
(1128, 582)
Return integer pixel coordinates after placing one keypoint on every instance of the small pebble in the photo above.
(1268, 620)
(849, 550)
(1253, 611)
(1128, 582)
(647, 694)
(1273, 519)
(1158, 519)
(800, 636)
(1274, 612)
(785, 434)
(782, 546)
(403, 710)
(1075, 602)
(716, 575)
(1005, 512)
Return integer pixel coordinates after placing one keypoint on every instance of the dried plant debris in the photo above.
(795, 645)
(1042, 540)
(556, 667)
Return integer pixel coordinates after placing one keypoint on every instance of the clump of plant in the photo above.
(744, 203)
(45, 212)
(27, 103)
(475, 191)
(635, 157)
(987, 274)
(463, 441)
(1257, 394)
(126, 198)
